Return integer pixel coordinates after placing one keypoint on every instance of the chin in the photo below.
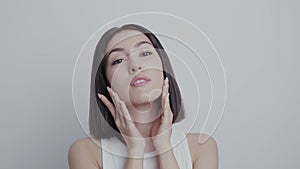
(145, 97)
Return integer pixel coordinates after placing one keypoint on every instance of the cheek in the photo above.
(115, 74)
(119, 82)
(159, 77)
(155, 66)
(154, 63)
(156, 71)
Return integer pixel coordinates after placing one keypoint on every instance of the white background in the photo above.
(258, 42)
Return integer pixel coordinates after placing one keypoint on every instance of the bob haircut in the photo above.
(101, 122)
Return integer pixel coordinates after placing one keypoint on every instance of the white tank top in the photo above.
(114, 153)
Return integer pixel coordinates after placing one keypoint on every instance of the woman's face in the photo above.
(134, 68)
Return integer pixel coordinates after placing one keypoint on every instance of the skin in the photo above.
(142, 114)
(142, 102)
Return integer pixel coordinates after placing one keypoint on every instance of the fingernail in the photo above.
(108, 89)
(167, 79)
(100, 96)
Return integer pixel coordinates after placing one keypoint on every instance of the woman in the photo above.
(133, 103)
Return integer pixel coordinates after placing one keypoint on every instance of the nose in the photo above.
(134, 63)
(134, 68)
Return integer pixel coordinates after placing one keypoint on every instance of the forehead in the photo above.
(126, 39)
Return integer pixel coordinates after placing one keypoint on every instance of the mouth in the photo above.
(139, 80)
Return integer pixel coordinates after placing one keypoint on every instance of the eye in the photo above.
(146, 53)
(117, 61)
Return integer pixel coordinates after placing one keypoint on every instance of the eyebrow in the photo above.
(122, 49)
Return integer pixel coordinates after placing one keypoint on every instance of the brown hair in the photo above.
(101, 121)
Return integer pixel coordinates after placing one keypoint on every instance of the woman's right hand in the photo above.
(133, 138)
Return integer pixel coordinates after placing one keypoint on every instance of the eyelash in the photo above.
(142, 54)
(114, 62)
(149, 53)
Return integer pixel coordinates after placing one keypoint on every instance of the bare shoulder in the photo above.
(85, 153)
(204, 152)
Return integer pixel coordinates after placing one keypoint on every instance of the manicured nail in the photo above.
(167, 79)
(108, 89)
(100, 96)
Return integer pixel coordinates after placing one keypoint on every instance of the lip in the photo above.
(139, 77)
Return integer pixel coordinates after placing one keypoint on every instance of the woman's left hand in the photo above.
(162, 127)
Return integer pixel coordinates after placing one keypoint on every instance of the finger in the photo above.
(167, 84)
(168, 112)
(164, 94)
(119, 108)
(118, 105)
(163, 100)
(108, 104)
(113, 97)
(111, 93)
(166, 101)
(165, 115)
(166, 91)
(168, 116)
(127, 118)
(125, 111)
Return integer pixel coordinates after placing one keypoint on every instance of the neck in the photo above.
(144, 116)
